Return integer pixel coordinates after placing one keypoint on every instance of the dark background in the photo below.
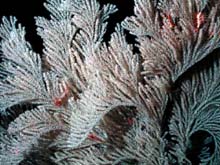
(26, 10)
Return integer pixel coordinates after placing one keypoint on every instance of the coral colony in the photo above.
(88, 101)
